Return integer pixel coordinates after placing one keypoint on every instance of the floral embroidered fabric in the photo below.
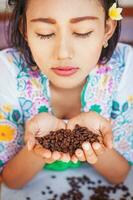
(24, 92)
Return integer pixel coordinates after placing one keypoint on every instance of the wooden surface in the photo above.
(128, 11)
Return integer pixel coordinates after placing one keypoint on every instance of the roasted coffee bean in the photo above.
(67, 141)
(48, 187)
(97, 190)
(43, 192)
(100, 191)
(53, 176)
(28, 198)
(50, 192)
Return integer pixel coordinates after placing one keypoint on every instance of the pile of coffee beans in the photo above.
(65, 140)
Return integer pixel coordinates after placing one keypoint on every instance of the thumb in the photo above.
(108, 140)
(61, 124)
(106, 131)
(73, 121)
(70, 125)
(31, 143)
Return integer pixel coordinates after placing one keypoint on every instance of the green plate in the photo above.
(61, 166)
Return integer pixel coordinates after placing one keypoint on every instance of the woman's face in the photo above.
(66, 38)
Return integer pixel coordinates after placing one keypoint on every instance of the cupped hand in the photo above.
(39, 126)
(97, 124)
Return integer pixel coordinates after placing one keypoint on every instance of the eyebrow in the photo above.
(73, 20)
(79, 19)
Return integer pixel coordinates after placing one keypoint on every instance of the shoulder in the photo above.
(122, 50)
(122, 56)
(11, 60)
(123, 68)
(121, 64)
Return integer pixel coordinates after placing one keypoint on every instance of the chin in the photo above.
(70, 84)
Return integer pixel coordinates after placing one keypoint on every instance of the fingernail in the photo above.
(86, 146)
(47, 154)
(75, 161)
(56, 156)
(79, 152)
(65, 159)
(97, 145)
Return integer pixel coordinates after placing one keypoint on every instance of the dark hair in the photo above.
(17, 40)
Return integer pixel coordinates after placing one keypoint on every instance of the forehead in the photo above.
(64, 9)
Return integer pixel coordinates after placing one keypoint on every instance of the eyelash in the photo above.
(80, 35)
(43, 37)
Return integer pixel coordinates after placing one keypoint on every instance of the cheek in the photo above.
(90, 53)
(39, 47)
(39, 52)
(91, 47)
(95, 47)
(40, 57)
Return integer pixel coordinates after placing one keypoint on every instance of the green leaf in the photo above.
(1, 163)
(16, 115)
(113, 115)
(125, 107)
(43, 109)
(115, 106)
(96, 108)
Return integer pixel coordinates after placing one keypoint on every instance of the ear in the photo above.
(110, 27)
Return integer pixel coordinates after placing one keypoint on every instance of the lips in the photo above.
(65, 71)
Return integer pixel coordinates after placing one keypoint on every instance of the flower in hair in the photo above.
(115, 13)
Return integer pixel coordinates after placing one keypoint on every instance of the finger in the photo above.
(108, 140)
(31, 143)
(72, 122)
(61, 125)
(80, 155)
(56, 155)
(48, 160)
(89, 153)
(74, 159)
(31, 127)
(45, 153)
(98, 148)
(70, 126)
(65, 157)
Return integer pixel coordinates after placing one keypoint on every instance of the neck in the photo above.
(76, 89)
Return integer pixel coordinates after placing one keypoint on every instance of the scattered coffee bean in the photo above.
(28, 198)
(99, 192)
(50, 192)
(48, 187)
(99, 181)
(53, 176)
(56, 195)
(43, 192)
(97, 189)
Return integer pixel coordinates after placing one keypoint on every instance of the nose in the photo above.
(63, 48)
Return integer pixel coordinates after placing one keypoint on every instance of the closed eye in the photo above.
(47, 36)
(82, 35)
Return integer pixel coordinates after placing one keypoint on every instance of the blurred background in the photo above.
(127, 22)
